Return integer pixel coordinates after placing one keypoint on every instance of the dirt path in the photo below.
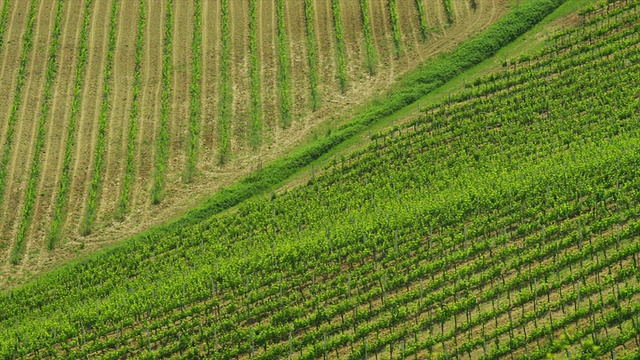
(27, 122)
(87, 126)
(51, 160)
(298, 57)
(210, 83)
(354, 41)
(239, 65)
(118, 128)
(178, 124)
(409, 26)
(383, 37)
(267, 48)
(327, 69)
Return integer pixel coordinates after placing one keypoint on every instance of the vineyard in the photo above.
(501, 223)
(121, 114)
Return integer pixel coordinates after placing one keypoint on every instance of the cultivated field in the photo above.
(120, 114)
(502, 223)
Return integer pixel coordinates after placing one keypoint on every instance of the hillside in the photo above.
(122, 114)
(500, 223)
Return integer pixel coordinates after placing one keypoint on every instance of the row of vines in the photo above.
(464, 232)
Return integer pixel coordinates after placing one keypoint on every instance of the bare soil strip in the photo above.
(178, 125)
(327, 69)
(121, 98)
(210, 83)
(52, 155)
(267, 37)
(239, 26)
(27, 122)
(354, 41)
(298, 57)
(87, 127)
(151, 90)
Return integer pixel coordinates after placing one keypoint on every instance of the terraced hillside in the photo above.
(118, 114)
(503, 223)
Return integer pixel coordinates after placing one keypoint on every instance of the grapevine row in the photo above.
(60, 203)
(162, 142)
(103, 122)
(27, 44)
(284, 95)
(196, 91)
(226, 93)
(371, 58)
(34, 174)
(134, 115)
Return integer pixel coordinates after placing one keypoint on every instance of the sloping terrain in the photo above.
(121, 114)
(502, 223)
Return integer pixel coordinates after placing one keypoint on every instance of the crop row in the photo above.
(255, 127)
(134, 115)
(196, 91)
(27, 44)
(162, 142)
(4, 13)
(312, 55)
(226, 93)
(99, 152)
(370, 62)
(341, 52)
(448, 11)
(284, 83)
(422, 19)
(395, 27)
(34, 174)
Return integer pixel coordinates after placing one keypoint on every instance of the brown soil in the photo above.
(118, 127)
(210, 83)
(87, 122)
(12, 49)
(51, 158)
(27, 120)
(239, 25)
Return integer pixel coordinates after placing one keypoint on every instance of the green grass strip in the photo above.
(196, 90)
(162, 144)
(27, 44)
(134, 114)
(422, 18)
(341, 52)
(226, 94)
(448, 11)
(3, 20)
(312, 49)
(395, 27)
(103, 123)
(283, 68)
(255, 128)
(370, 50)
(63, 187)
(30, 192)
